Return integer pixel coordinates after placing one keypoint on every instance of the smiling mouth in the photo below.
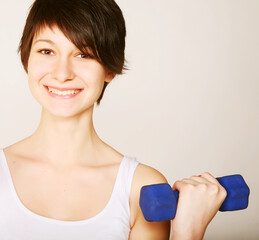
(62, 93)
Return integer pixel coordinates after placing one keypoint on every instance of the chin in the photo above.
(68, 112)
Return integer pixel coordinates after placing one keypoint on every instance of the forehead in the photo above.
(50, 33)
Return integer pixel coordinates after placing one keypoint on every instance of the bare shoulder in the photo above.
(140, 228)
(145, 175)
(11, 151)
(18, 148)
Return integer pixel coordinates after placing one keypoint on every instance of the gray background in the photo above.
(188, 104)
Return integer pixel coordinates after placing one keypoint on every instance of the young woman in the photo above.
(63, 181)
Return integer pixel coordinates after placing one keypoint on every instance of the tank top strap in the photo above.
(3, 169)
(125, 177)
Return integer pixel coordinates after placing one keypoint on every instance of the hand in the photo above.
(200, 198)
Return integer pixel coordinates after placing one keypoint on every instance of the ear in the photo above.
(109, 76)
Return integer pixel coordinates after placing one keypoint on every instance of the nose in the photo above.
(62, 70)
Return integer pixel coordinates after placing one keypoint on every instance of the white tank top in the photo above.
(113, 223)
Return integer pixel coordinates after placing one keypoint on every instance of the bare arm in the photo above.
(199, 200)
(141, 229)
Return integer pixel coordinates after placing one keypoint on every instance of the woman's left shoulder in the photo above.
(144, 175)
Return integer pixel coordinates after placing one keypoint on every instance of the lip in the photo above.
(63, 89)
(54, 95)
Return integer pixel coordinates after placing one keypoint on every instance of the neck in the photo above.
(65, 142)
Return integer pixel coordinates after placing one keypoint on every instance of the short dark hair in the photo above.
(95, 25)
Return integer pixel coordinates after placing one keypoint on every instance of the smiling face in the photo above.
(55, 65)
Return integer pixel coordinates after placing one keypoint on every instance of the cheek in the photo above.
(92, 74)
(93, 77)
(37, 69)
(36, 72)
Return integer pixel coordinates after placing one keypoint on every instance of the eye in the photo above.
(46, 52)
(82, 55)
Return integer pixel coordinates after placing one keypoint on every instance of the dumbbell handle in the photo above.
(158, 202)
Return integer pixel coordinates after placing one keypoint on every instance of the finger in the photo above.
(208, 182)
(186, 181)
(210, 178)
(179, 184)
(200, 180)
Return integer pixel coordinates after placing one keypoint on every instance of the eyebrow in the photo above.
(44, 40)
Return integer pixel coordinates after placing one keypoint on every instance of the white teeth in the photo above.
(63, 93)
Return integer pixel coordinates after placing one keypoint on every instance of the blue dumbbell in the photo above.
(158, 202)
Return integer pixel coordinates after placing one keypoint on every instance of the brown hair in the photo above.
(95, 25)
